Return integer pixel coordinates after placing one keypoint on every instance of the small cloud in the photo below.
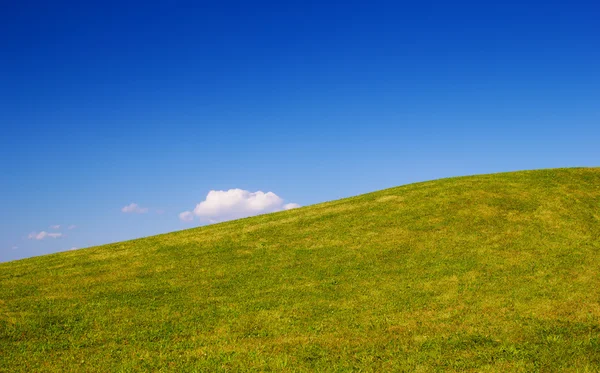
(186, 216)
(73, 248)
(14, 247)
(221, 205)
(72, 226)
(160, 212)
(134, 208)
(42, 235)
(57, 226)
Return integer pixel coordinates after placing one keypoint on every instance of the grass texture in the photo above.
(491, 273)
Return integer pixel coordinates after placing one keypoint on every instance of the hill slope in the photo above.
(485, 273)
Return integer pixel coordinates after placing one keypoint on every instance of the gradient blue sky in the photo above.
(107, 103)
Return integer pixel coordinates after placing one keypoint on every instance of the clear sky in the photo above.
(104, 104)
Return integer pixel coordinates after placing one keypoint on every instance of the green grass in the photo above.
(485, 273)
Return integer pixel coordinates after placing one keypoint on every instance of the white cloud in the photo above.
(186, 216)
(15, 247)
(43, 234)
(57, 226)
(73, 248)
(221, 205)
(72, 226)
(134, 208)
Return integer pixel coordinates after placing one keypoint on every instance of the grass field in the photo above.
(484, 273)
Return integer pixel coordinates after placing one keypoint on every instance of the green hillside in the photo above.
(484, 273)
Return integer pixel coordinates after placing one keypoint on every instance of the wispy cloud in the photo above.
(186, 216)
(134, 208)
(221, 205)
(14, 247)
(72, 226)
(43, 234)
(57, 226)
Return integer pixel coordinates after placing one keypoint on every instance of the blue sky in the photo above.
(104, 104)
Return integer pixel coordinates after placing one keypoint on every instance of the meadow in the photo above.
(488, 273)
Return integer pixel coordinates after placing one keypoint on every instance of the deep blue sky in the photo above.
(103, 104)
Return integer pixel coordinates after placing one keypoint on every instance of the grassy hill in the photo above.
(484, 273)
